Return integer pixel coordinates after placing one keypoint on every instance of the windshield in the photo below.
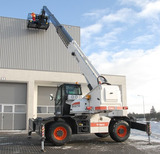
(73, 90)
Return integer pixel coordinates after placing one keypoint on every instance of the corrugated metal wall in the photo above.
(22, 48)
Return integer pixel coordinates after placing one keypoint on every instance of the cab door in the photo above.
(58, 101)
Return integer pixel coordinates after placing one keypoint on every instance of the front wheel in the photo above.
(119, 130)
(60, 133)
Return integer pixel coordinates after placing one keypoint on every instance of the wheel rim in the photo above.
(122, 131)
(60, 133)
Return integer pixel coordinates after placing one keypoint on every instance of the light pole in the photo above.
(143, 105)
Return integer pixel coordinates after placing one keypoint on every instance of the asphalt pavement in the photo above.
(18, 143)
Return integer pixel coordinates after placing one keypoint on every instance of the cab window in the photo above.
(73, 90)
(58, 96)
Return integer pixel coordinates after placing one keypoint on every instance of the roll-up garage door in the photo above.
(46, 105)
(13, 98)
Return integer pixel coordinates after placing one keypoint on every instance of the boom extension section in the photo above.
(86, 67)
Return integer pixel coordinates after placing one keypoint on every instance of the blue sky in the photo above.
(120, 37)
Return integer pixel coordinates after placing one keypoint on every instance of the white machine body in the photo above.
(102, 98)
(99, 123)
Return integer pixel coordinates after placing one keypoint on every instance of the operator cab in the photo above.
(66, 94)
(38, 21)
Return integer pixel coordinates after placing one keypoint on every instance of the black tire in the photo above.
(119, 130)
(47, 135)
(102, 135)
(59, 133)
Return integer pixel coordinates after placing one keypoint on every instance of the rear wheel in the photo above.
(119, 130)
(102, 135)
(60, 133)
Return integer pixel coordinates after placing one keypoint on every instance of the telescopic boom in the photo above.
(86, 67)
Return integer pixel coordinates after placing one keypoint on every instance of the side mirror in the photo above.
(51, 97)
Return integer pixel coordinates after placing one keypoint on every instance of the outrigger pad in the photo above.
(38, 22)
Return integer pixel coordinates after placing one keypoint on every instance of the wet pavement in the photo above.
(18, 143)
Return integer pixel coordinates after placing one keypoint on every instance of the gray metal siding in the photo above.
(23, 48)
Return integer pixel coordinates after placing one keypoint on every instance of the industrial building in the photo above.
(32, 64)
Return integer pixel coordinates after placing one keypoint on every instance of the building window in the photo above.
(51, 109)
(46, 109)
(8, 109)
(20, 108)
(41, 109)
